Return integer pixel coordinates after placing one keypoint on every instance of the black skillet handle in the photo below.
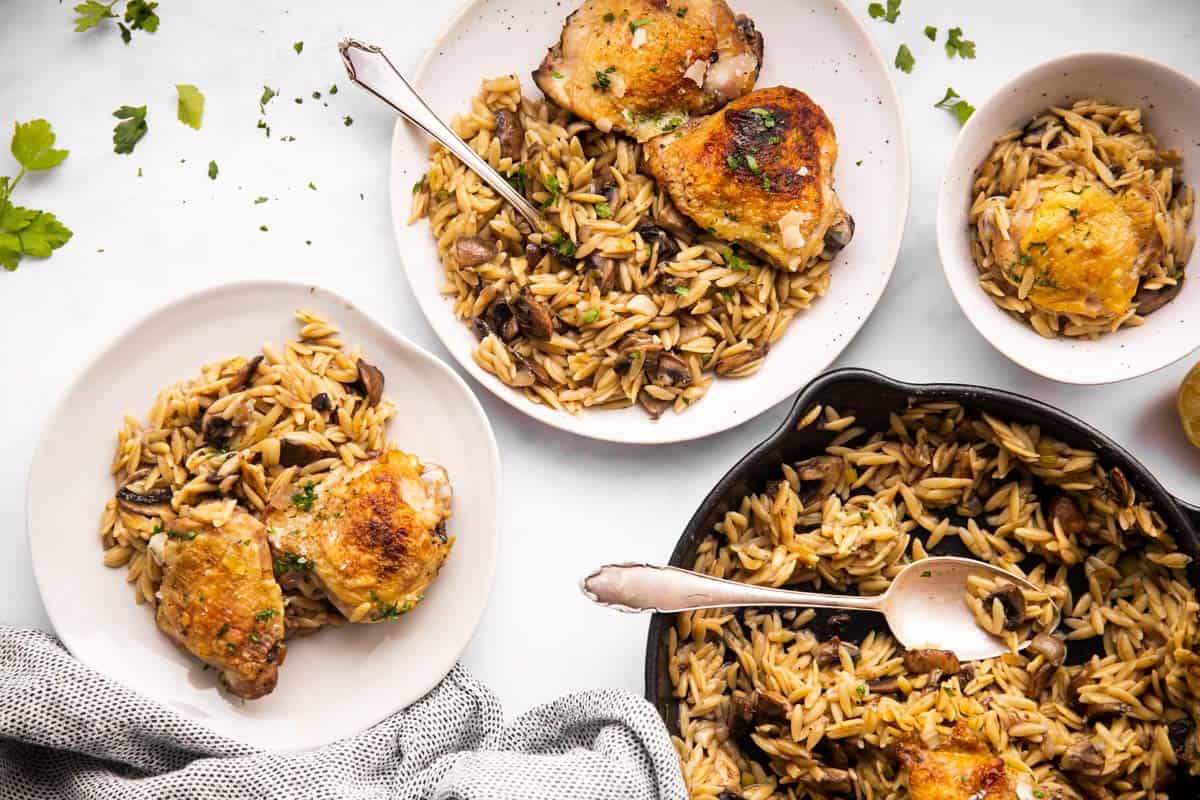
(1191, 512)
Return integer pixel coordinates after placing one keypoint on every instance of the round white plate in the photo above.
(1170, 103)
(339, 681)
(819, 47)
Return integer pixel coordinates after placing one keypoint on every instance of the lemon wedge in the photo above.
(1188, 403)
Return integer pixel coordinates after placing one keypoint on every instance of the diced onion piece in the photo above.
(156, 544)
(789, 229)
(616, 84)
(641, 304)
(640, 37)
(696, 72)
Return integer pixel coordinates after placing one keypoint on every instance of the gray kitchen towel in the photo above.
(68, 732)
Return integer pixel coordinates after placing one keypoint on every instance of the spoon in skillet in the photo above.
(369, 68)
(924, 606)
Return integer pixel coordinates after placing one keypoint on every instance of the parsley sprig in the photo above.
(130, 130)
(961, 109)
(889, 14)
(955, 44)
(190, 109)
(905, 60)
(27, 231)
(139, 16)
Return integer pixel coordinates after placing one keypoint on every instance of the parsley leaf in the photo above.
(681, 12)
(765, 116)
(904, 59)
(305, 498)
(141, 16)
(603, 211)
(590, 316)
(891, 14)
(733, 262)
(33, 146)
(965, 48)
(961, 109)
(131, 129)
(564, 246)
(298, 47)
(268, 94)
(602, 81)
(552, 186)
(265, 614)
(638, 23)
(931, 33)
(91, 13)
(212, 170)
(190, 108)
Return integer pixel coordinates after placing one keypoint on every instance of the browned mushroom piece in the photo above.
(733, 363)
(742, 706)
(889, 685)
(1077, 683)
(245, 375)
(1012, 601)
(827, 470)
(150, 501)
(534, 254)
(471, 251)
(370, 382)
(653, 406)
(771, 707)
(827, 655)
(1105, 712)
(534, 318)
(640, 343)
(1066, 512)
(500, 319)
(674, 222)
(833, 781)
(604, 270)
(321, 402)
(1179, 734)
(1051, 648)
(837, 237)
(654, 234)
(299, 449)
(1083, 758)
(1120, 486)
(532, 366)
(510, 133)
(216, 429)
(672, 372)
(925, 661)
(729, 794)
(970, 506)
(1151, 300)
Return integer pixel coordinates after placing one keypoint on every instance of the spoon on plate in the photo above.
(368, 67)
(924, 606)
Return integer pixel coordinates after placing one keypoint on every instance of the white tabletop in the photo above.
(572, 503)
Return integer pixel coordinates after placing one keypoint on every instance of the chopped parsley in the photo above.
(672, 124)
(752, 163)
(905, 60)
(130, 130)
(259, 200)
(609, 17)
(861, 690)
(603, 210)
(139, 14)
(732, 162)
(290, 562)
(516, 180)
(554, 188)
(558, 76)
(682, 291)
(951, 102)
(955, 44)
(388, 610)
(224, 629)
(254, 637)
(926, 574)
(949, 690)
(602, 81)
(890, 14)
(773, 140)
(681, 12)
(305, 498)
(190, 109)
(268, 94)
(183, 536)
(733, 262)
(765, 116)
(638, 23)
(347, 120)
(590, 316)
(312, 186)
(212, 170)
(298, 47)
(931, 33)
(1074, 212)
(564, 246)
(1025, 260)
(265, 614)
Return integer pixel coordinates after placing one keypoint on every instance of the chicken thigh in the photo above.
(218, 598)
(645, 66)
(371, 539)
(759, 172)
(960, 768)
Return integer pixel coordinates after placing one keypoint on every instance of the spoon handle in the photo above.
(642, 587)
(368, 67)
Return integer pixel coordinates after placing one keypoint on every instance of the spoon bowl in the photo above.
(924, 606)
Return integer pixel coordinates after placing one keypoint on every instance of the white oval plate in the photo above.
(819, 47)
(339, 681)
(1170, 103)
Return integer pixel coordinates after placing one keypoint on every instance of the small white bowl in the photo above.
(1170, 103)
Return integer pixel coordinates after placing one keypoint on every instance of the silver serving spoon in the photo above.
(924, 605)
(369, 68)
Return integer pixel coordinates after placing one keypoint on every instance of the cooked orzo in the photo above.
(245, 433)
(1105, 706)
(1079, 222)
(630, 303)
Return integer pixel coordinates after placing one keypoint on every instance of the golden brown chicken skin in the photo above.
(645, 66)
(372, 540)
(961, 768)
(760, 173)
(219, 599)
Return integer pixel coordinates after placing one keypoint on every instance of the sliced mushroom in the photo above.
(605, 271)
(471, 251)
(771, 707)
(827, 655)
(1066, 512)
(534, 254)
(1105, 712)
(245, 375)
(1151, 300)
(652, 234)
(1179, 733)
(639, 342)
(834, 781)
(537, 370)
(500, 319)
(729, 794)
(370, 382)
(672, 372)
(216, 429)
(534, 318)
(674, 222)
(1083, 758)
(970, 506)
(826, 469)
(889, 685)
(838, 236)
(321, 403)
(1012, 601)
(142, 502)
(1051, 648)
(298, 449)
(510, 133)
(1078, 682)
(1121, 487)
(654, 407)
(741, 713)
(731, 364)
(925, 661)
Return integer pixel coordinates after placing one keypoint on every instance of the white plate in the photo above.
(1170, 103)
(819, 47)
(341, 680)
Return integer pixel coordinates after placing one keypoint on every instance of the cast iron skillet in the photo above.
(871, 397)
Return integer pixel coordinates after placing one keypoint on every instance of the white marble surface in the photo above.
(572, 504)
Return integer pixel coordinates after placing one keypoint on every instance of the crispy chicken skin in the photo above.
(759, 172)
(961, 768)
(219, 599)
(372, 540)
(645, 66)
